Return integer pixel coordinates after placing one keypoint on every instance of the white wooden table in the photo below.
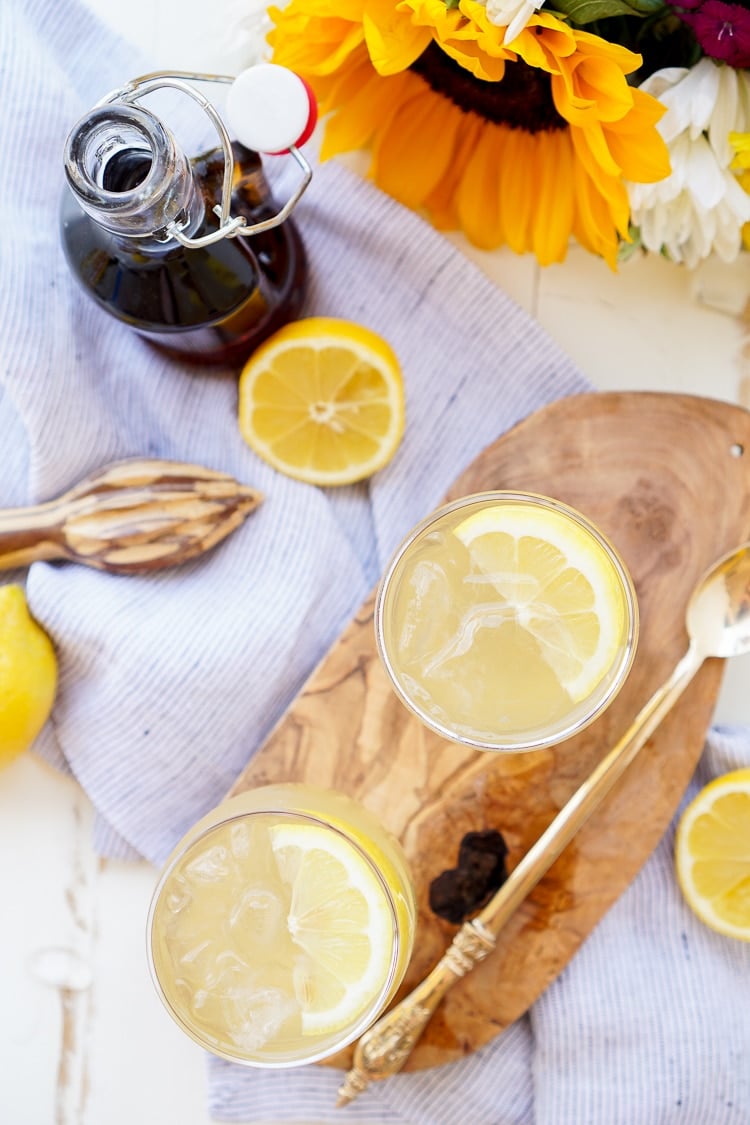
(107, 1053)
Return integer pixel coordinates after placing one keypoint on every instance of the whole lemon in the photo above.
(28, 675)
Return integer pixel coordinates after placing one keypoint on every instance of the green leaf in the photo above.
(627, 250)
(586, 11)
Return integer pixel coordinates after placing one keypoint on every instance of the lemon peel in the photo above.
(712, 854)
(28, 675)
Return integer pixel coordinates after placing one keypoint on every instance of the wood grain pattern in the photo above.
(129, 517)
(667, 478)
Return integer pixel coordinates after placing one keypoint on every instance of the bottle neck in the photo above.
(128, 174)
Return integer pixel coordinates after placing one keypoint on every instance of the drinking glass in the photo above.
(506, 621)
(281, 925)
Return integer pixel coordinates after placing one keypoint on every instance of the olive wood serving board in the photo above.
(667, 478)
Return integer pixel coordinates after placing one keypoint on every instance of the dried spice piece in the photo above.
(131, 516)
(481, 870)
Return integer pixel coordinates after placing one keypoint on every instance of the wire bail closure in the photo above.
(229, 226)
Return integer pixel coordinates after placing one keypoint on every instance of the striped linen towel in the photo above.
(169, 682)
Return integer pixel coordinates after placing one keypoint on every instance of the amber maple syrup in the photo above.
(210, 305)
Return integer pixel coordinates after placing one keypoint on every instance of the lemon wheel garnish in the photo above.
(712, 854)
(322, 400)
(558, 584)
(340, 918)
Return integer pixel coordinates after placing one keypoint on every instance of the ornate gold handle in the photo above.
(384, 1049)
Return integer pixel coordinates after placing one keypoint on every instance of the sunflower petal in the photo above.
(413, 153)
(473, 59)
(393, 41)
(591, 144)
(544, 42)
(314, 49)
(593, 226)
(441, 202)
(601, 83)
(554, 205)
(517, 188)
(366, 103)
(478, 197)
(643, 158)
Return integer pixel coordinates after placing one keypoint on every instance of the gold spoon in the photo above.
(718, 625)
(128, 517)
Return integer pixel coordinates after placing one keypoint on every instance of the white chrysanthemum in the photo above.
(700, 208)
(247, 23)
(513, 15)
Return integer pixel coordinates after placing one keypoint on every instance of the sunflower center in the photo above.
(523, 100)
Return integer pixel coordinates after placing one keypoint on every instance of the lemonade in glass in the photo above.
(281, 925)
(506, 621)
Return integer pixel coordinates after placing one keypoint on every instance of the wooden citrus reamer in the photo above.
(130, 516)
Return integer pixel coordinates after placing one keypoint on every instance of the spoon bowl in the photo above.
(718, 613)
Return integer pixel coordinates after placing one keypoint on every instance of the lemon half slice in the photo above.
(559, 584)
(322, 400)
(340, 917)
(712, 854)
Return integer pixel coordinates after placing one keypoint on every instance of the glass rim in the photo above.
(368, 1015)
(620, 668)
(80, 147)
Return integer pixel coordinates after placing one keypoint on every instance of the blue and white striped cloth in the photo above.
(169, 682)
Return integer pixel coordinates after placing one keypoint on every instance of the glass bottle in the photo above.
(131, 187)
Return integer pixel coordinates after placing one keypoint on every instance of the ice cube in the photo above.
(213, 864)
(427, 604)
(240, 839)
(257, 860)
(259, 914)
(229, 962)
(255, 1015)
(197, 1002)
(206, 963)
(193, 953)
(200, 996)
(179, 894)
(197, 959)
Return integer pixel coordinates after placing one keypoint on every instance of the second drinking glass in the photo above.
(281, 925)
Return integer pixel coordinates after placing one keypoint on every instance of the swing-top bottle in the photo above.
(153, 239)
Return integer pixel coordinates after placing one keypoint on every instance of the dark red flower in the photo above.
(723, 30)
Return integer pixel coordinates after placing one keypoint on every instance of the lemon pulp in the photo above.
(712, 854)
(339, 919)
(322, 401)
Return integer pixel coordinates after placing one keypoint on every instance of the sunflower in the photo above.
(523, 144)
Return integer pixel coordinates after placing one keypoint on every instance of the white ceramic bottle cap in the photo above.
(270, 108)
